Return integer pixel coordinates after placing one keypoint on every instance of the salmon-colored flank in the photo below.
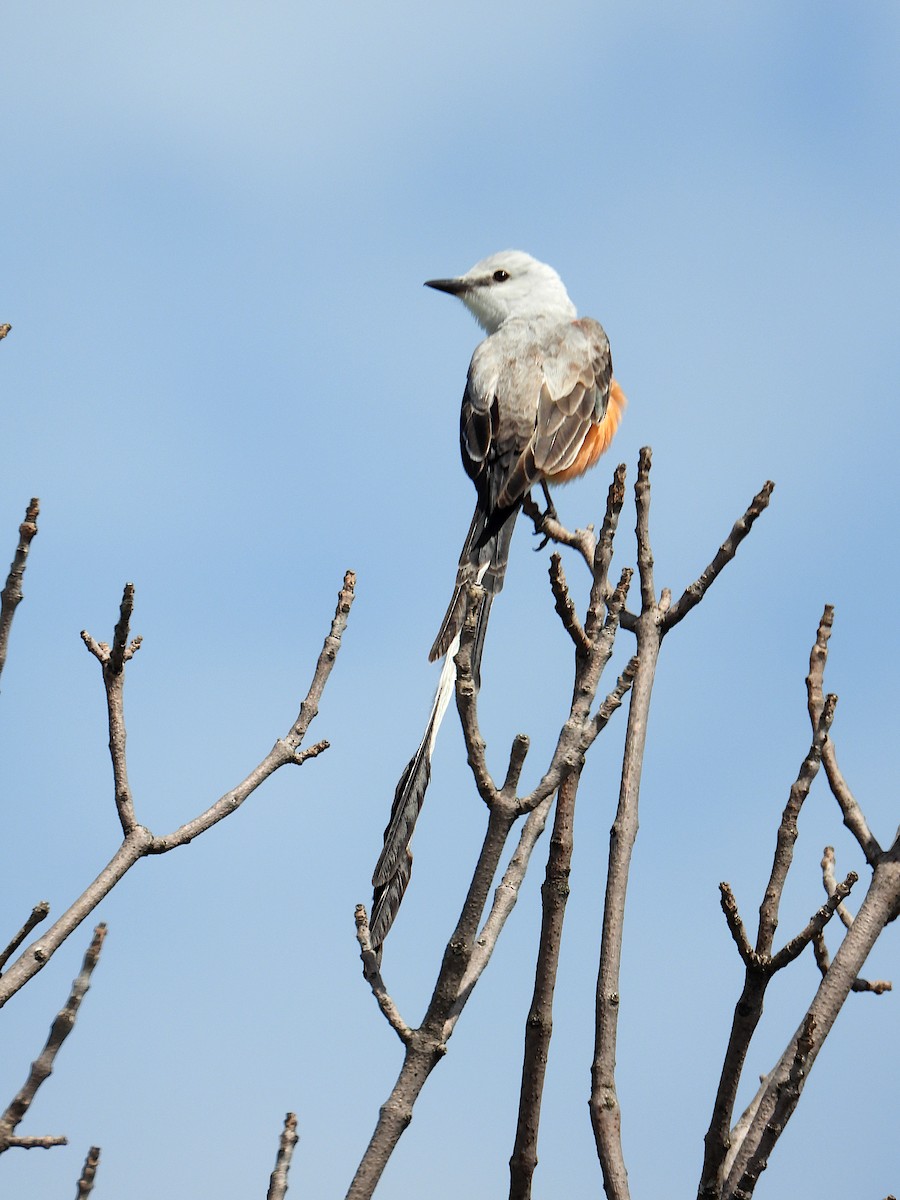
(598, 437)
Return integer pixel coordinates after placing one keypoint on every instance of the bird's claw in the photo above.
(549, 514)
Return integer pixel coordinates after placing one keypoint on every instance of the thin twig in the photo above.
(736, 926)
(34, 1143)
(11, 596)
(39, 913)
(43, 1064)
(792, 949)
(88, 1173)
(112, 659)
(694, 592)
(829, 881)
(565, 606)
(372, 975)
(787, 830)
(278, 1184)
(850, 810)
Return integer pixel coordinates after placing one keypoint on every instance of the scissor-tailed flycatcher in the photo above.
(540, 407)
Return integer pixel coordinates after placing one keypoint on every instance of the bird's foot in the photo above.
(549, 514)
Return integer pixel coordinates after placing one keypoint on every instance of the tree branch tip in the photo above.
(28, 529)
(4, 330)
(36, 1143)
(300, 756)
(368, 952)
(100, 650)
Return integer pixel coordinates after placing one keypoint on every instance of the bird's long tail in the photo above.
(483, 560)
(393, 868)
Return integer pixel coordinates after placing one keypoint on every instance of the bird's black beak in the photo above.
(453, 287)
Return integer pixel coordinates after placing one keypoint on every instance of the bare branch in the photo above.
(34, 1143)
(852, 814)
(278, 1184)
(831, 885)
(615, 498)
(642, 530)
(112, 660)
(788, 1092)
(505, 897)
(565, 606)
(787, 830)
(42, 1067)
(736, 927)
(300, 756)
(604, 1102)
(813, 928)
(372, 975)
(88, 1172)
(426, 1045)
(579, 731)
(39, 913)
(539, 1025)
(11, 596)
(694, 592)
(138, 840)
(546, 523)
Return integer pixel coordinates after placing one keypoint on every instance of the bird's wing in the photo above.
(572, 380)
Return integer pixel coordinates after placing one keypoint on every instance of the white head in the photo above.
(508, 286)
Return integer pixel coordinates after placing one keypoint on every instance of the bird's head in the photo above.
(508, 286)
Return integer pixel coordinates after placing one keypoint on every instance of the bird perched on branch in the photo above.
(540, 407)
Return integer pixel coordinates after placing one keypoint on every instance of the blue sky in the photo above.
(227, 384)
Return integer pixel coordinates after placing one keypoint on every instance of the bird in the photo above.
(540, 406)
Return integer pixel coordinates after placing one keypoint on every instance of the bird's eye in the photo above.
(500, 276)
